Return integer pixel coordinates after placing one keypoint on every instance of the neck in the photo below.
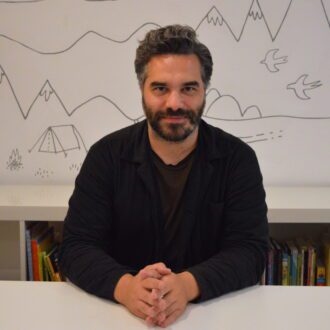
(171, 153)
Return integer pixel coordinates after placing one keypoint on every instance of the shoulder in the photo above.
(223, 143)
(119, 139)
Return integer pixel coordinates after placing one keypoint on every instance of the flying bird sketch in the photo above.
(271, 61)
(300, 86)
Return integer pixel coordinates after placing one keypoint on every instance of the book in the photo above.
(51, 260)
(302, 258)
(326, 256)
(285, 264)
(277, 265)
(29, 270)
(320, 273)
(269, 272)
(293, 270)
(36, 229)
(44, 244)
(311, 265)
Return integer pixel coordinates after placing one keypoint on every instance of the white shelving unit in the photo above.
(287, 205)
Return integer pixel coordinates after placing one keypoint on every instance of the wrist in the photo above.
(190, 285)
(122, 287)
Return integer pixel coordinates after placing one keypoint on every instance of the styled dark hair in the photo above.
(172, 39)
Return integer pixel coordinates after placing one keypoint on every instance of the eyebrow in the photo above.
(188, 83)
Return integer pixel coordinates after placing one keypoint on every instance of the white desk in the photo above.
(61, 306)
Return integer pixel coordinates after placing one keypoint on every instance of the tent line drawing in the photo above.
(59, 139)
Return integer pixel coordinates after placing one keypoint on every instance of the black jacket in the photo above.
(114, 223)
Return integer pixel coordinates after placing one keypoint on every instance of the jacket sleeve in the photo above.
(241, 258)
(84, 254)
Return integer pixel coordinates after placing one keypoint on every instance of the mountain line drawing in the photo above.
(326, 11)
(47, 91)
(213, 96)
(88, 33)
(255, 12)
(60, 139)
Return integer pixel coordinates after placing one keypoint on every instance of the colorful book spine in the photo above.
(28, 255)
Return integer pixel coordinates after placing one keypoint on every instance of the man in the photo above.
(169, 210)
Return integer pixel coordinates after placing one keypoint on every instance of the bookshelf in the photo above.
(292, 210)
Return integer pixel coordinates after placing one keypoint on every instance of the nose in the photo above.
(174, 101)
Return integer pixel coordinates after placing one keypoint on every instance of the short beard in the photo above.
(174, 132)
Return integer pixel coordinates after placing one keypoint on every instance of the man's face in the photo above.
(173, 95)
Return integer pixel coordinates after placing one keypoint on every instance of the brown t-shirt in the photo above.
(171, 181)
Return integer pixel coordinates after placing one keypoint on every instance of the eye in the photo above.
(189, 89)
(159, 90)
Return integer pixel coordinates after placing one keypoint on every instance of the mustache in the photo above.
(177, 113)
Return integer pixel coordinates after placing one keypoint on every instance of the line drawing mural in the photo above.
(148, 25)
(43, 173)
(15, 161)
(326, 9)
(20, 1)
(255, 13)
(300, 86)
(65, 86)
(271, 61)
(59, 139)
(47, 91)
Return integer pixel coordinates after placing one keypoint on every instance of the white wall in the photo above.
(67, 79)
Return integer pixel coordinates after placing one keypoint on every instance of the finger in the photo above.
(151, 322)
(152, 283)
(161, 268)
(170, 319)
(161, 317)
(146, 309)
(145, 273)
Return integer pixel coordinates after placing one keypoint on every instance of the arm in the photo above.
(84, 256)
(242, 253)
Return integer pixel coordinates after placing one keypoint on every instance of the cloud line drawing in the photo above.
(47, 91)
(271, 61)
(252, 112)
(300, 86)
(55, 139)
(91, 32)
(255, 12)
(325, 12)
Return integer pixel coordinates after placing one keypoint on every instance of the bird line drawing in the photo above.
(300, 86)
(91, 32)
(54, 140)
(47, 91)
(271, 61)
(325, 12)
(255, 12)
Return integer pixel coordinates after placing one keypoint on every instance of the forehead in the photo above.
(172, 66)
